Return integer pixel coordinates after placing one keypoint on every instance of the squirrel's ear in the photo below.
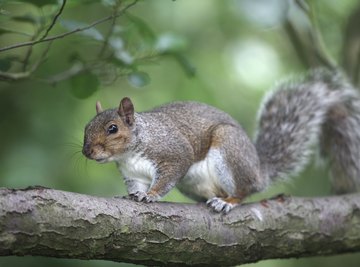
(98, 107)
(126, 111)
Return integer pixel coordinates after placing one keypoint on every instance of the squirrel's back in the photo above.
(186, 112)
(194, 120)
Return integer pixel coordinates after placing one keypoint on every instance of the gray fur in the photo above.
(340, 140)
(294, 118)
(183, 133)
(207, 154)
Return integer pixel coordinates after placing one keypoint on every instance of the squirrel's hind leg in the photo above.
(237, 169)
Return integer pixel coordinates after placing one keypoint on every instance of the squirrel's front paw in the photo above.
(220, 205)
(138, 196)
(144, 197)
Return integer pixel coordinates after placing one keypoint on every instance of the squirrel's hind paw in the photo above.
(218, 204)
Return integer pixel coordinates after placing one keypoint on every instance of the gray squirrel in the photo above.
(208, 156)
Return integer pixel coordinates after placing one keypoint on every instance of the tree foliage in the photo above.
(122, 48)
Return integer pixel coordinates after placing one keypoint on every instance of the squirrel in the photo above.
(207, 155)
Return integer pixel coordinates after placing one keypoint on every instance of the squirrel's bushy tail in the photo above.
(340, 143)
(297, 115)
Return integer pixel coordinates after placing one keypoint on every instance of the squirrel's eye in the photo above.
(112, 129)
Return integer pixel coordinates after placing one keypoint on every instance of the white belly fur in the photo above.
(134, 166)
(205, 178)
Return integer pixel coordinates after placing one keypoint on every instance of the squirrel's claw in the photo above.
(220, 205)
(140, 196)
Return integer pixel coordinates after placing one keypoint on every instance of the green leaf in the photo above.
(73, 3)
(73, 25)
(74, 56)
(138, 79)
(116, 43)
(109, 3)
(4, 13)
(4, 31)
(5, 64)
(186, 65)
(41, 3)
(28, 18)
(144, 30)
(122, 57)
(170, 43)
(113, 3)
(84, 85)
(120, 64)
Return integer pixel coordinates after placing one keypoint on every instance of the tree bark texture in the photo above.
(47, 222)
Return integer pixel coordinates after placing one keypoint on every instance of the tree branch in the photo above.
(16, 76)
(297, 43)
(317, 40)
(46, 222)
(52, 24)
(62, 35)
(111, 30)
(313, 47)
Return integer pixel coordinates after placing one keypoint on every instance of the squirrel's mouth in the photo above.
(99, 160)
(102, 160)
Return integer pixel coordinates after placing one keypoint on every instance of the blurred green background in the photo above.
(238, 49)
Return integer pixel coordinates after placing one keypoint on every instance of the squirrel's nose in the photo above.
(87, 150)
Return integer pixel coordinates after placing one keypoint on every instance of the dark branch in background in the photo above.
(110, 32)
(356, 77)
(313, 47)
(351, 47)
(297, 42)
(317, 39)
(301, 4)
(8, 76)
(28, 53)
(35, 36)
(62, 35)
(74, 70)
(52, 223)
(57, 15)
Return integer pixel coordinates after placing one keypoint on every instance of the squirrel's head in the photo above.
(108, 134)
